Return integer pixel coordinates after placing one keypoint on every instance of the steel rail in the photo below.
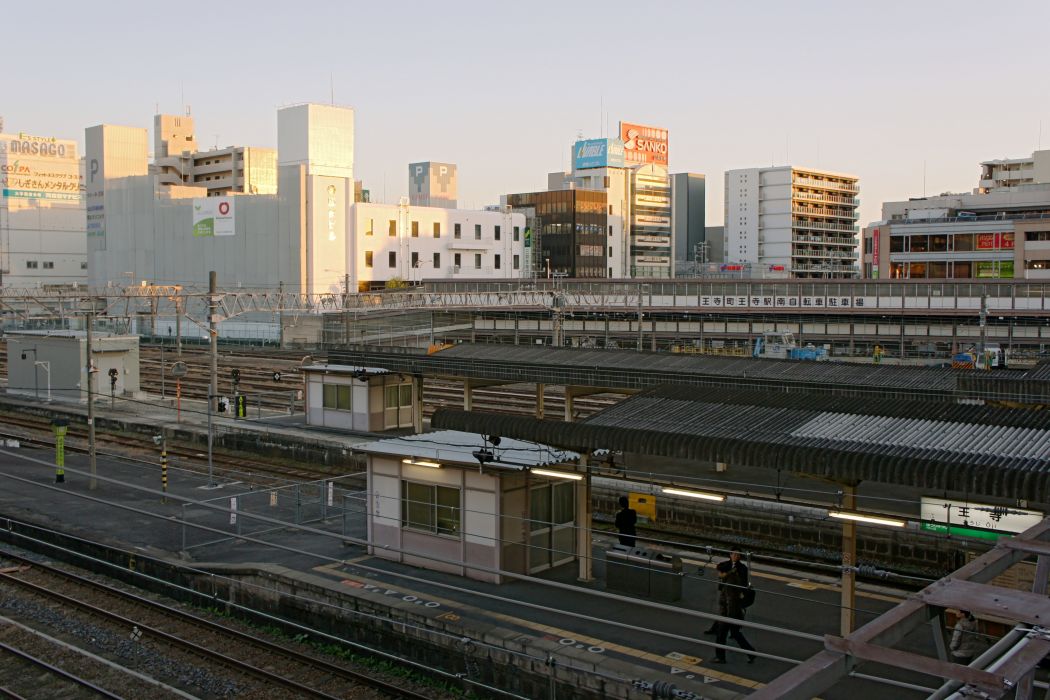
(237, 636)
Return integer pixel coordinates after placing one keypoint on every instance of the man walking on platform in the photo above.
(742, 573)
(625, 522)
(730, 595)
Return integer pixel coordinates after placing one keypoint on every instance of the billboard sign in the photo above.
(598, 153)
(213, 216)
(39, 167)
(995, 269)
(875, 254)
(974, 519)
(644, 144)
(995, 241)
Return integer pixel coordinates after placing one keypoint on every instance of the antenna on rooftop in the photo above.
(331, 86)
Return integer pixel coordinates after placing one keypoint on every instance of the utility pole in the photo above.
(213, 386)
(346, 309)
(91, 405)
(639, 288)
(280, 309)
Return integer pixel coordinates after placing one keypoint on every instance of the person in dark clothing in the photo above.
(741, 570)
(730, 591)
(626, 520)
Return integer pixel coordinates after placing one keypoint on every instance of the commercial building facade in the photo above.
(632, 173)
(796, 220)
(139, 230)
(999, 231)
(1003, 235)
(410, 244)
(568, 232)
(688, 217)
(42, 235)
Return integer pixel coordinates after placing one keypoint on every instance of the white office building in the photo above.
(795, 220)
(175, 233)
(405, 243)
(42, 239)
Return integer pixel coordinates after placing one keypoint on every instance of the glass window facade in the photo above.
(569, 236)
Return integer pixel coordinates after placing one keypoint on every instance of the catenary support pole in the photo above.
(213, 386)
(849, 562)
(93, 465)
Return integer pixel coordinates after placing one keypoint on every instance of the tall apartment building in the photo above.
(221, 171)
(1014, 173)
(796, 220)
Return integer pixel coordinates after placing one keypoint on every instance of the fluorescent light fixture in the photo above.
(861, 518)
(695, 494)
(421, 463)
(557, 474)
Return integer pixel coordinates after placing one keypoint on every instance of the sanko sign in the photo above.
(26, 145)
(644, 144)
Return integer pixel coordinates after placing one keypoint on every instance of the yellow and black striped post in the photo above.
(59, 426)
(164, 470)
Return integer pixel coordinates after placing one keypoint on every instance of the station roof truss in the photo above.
(630, 370)
(965, 447)
(459, 448)
(1004, 670)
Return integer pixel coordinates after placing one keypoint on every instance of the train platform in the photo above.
(223, 523)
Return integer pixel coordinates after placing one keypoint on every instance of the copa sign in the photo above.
(644, 144)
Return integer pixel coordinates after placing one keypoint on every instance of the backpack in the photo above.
(747, 597)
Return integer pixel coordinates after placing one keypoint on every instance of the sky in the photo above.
(909, 96)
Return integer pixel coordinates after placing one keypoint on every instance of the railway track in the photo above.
(255, 371)
(167, 651)
(256, 470)
(256, 379)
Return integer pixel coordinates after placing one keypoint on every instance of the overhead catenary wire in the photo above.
(321, 532)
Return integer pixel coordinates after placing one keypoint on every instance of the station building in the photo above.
(364, 399)
(999, 231)
(42, 235)
(466, 504)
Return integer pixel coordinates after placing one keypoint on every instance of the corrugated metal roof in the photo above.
(346, 369)
(620, 369)
(456, 447)
(978, 449)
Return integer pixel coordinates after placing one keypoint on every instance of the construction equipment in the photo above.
(781, 345)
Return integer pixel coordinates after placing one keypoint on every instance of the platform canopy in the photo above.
(965, 447)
